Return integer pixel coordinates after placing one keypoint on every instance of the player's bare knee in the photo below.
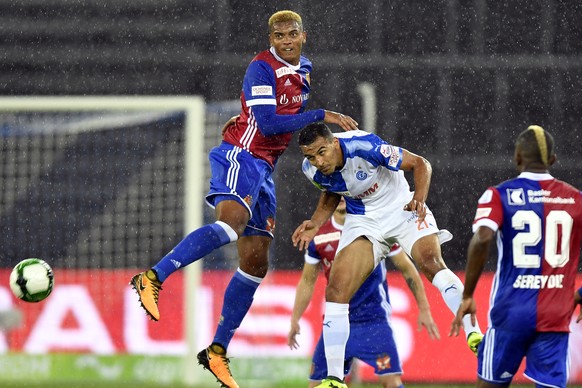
(336, 294)
(430, 265)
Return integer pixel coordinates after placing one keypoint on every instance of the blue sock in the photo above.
(196, 245)
(238, 298)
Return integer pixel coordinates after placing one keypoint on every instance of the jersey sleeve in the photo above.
(270, 123)
(259, 89)
(309, 172)
(381, 153)
(311, 255)
(489, 210)
(259, 85)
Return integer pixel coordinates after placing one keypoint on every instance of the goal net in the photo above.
(95, 182)
(99, 187)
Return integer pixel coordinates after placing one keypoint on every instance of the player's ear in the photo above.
(304, 37)
(517, 157)
(552, 160)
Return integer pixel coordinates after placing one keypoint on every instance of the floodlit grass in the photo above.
(81, 384)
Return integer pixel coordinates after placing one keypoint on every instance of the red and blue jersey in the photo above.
(538, 220)
(371, 301)
(273, 98)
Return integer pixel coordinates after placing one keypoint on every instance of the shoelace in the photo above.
(156, 287)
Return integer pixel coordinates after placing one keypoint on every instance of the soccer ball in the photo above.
(32, 280)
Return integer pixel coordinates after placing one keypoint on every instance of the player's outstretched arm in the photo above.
(477, 255)
(303, 295)
(305, 232)
(344, 121)
(410, 273)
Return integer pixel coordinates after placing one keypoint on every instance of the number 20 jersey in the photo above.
(538, 220)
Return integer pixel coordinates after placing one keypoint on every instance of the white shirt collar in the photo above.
(536, 176)
(335, 224)
(294, 67)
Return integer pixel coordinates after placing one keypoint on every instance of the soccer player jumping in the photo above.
(381, 210)
(274, 95)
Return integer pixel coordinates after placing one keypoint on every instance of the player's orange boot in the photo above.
(148, 287)
(214, 359)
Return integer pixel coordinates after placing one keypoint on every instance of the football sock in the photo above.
(451, 289)
(336, 330)
(238, 298)
(196, 245)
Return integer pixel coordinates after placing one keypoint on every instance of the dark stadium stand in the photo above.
(455, 80)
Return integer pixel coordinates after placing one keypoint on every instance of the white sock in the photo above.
(451, 290)
(336, 330)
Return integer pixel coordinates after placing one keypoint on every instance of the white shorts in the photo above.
(399, 227)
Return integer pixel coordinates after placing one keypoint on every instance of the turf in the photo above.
(81, 384)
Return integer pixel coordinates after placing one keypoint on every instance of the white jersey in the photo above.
(376, 192)
(371, 180)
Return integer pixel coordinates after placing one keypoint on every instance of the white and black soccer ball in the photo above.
(32, 280)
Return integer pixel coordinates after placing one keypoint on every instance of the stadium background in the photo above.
(454, 81)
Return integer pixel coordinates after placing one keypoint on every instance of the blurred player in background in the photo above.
(381, 209)
(371, 338)
(537, 220)
(274, 94)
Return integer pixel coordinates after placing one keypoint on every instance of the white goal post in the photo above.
(193, 108)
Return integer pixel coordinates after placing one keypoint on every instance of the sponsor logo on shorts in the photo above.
(270, 227)
(383, 362)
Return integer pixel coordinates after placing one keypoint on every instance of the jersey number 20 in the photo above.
(557, 238)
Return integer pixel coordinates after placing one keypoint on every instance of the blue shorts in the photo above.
(546, 356)
(237, 175)
(371, 342)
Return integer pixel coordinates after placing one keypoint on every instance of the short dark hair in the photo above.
(311, 132)
(536, 144)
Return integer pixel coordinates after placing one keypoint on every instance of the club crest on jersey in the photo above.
(361, 175)
(270, 227)
(515, 197)
(383, 362)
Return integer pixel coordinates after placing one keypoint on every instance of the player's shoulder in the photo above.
(264, 55)
(305, 63)
(567, 186)
(357, 134)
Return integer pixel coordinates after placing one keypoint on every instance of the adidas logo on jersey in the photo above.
(176, 263)
(288, 82)
(328, 248)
